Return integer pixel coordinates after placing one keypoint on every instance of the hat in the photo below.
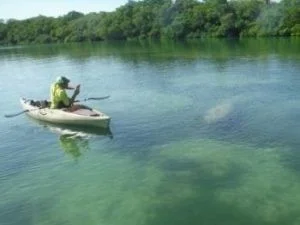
(62, 80)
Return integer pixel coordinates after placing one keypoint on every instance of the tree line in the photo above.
(156, 19)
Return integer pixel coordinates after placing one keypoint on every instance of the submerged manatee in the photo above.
(219, 112)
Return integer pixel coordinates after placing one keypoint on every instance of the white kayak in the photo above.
(81, 117)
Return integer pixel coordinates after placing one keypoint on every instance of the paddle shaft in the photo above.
(96, 98)
(19, 113)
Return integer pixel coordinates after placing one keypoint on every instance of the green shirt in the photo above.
(58, 95)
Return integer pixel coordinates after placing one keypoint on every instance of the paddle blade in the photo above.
(16, 114)
(97, 98)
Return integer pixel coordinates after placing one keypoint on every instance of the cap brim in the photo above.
(70, 86)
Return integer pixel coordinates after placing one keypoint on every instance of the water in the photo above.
(203, 132)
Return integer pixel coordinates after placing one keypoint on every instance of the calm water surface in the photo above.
(203, 132)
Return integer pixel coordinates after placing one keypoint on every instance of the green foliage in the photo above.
(180, 19)
(3, 31)
(295, 31)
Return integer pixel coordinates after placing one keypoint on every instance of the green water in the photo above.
(203, 132)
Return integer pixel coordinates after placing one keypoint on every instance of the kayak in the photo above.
(84, 116)
(74, 131)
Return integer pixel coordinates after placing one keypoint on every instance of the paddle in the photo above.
(95, 98)
(19, 113)
(30, 110)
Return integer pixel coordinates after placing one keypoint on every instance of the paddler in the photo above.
(59, 97)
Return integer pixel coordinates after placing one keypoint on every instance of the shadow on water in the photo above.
(291, 159)
(188, 194)
(26, 211)
(191, 172)
(206, 209)
(200, 205)
(15, 214)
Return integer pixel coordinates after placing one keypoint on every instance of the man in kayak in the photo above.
(59, 97)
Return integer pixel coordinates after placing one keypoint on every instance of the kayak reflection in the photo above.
(73, 145)
(74, 140)
(74, 130)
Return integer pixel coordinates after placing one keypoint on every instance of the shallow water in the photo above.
(202, 132)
